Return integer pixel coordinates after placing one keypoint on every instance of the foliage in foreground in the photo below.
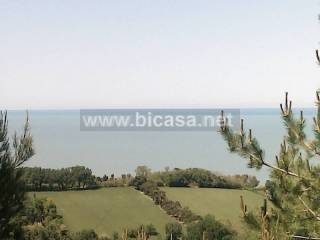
(294, 186)
(12, 192)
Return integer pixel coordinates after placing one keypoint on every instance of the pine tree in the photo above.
(294, 185)
(11, 187)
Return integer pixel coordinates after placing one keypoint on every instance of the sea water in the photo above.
(59, 143)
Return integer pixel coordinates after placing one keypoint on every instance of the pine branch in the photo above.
(250, 150)
(282, 170)
(317, 56)
(23, 145)
(317, 217)
(301, 237)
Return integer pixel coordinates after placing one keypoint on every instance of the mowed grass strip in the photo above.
(107, 210)
(224, 204)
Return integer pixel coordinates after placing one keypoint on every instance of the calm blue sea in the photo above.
(60, 143)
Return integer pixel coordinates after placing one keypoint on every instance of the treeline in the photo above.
(196, 225)
(46, 179)
(80, 177)
(196, 177)
(172, 208)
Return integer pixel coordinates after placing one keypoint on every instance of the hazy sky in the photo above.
(142, 53)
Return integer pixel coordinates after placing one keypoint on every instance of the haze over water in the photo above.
(60, 143)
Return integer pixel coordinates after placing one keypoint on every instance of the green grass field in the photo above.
(112, 209)
(107, 210)
(224, 204)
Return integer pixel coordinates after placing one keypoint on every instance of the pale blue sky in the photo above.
(80, 54)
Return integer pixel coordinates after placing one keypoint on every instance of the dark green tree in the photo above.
(12, 156)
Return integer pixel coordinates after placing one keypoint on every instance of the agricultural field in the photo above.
(224, 204)
(107, 210)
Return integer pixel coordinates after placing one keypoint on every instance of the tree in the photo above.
(143, 171)
(294, 186)
(173, 231)
(138, 181)
(151, 230)
(86, 235)
(105, 178)
(99, 179)
(210, 229)
(81, 175)
(66, 178)
(11, 186)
